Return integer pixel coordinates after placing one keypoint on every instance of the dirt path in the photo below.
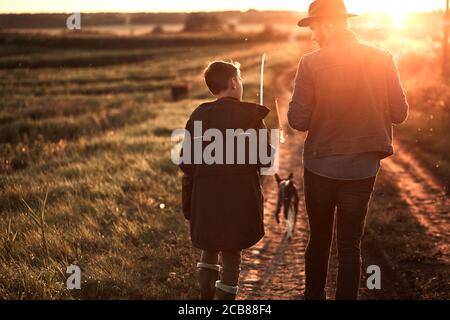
(424, 194)
(274, 268)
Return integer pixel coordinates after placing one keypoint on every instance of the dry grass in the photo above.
(85, 165)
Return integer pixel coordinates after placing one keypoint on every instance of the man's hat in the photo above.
(325, 9)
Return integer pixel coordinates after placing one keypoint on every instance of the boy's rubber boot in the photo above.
(224, 292)
(207, 275)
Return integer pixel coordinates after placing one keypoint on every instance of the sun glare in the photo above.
(399, 19)
(360, 6)
(393, 16)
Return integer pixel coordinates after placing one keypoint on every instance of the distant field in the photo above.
(136, 30)
(113, 29)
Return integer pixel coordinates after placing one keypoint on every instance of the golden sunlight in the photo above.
(358, 6)
(399, 18)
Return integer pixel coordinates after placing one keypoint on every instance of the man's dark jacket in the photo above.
(347, 95)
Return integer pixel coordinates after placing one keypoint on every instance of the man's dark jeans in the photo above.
(351, 198)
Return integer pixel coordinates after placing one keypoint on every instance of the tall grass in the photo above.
(99, 159)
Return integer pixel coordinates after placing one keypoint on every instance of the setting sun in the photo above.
(399, 18)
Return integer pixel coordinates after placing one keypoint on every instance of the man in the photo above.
(347, 95)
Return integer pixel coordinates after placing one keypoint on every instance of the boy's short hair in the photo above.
(218, 73)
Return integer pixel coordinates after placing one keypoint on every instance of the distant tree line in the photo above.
(198, 22)
(191, 21)
(58, 20)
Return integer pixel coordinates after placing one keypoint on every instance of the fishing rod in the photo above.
(282, 139)
(261, 99)
(401, 50)
(261, 87)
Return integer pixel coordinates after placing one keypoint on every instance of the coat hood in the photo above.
(230, 113)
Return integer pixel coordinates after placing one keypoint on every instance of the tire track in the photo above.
(425, 195)
(274, 268)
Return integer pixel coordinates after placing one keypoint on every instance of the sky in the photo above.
(69, 6)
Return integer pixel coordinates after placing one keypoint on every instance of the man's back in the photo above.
(347, 96)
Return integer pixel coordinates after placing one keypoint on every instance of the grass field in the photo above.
(429, 122)
(86, 177)
(95, 143)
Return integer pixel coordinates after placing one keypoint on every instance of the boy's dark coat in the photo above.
(224, 203)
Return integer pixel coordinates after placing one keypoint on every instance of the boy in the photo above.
(223, 201)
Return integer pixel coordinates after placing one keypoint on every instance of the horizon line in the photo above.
(198, 11)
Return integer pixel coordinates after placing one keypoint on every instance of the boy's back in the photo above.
(225, 206)
(222, 196)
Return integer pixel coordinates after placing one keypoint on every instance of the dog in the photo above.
(287, 198)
